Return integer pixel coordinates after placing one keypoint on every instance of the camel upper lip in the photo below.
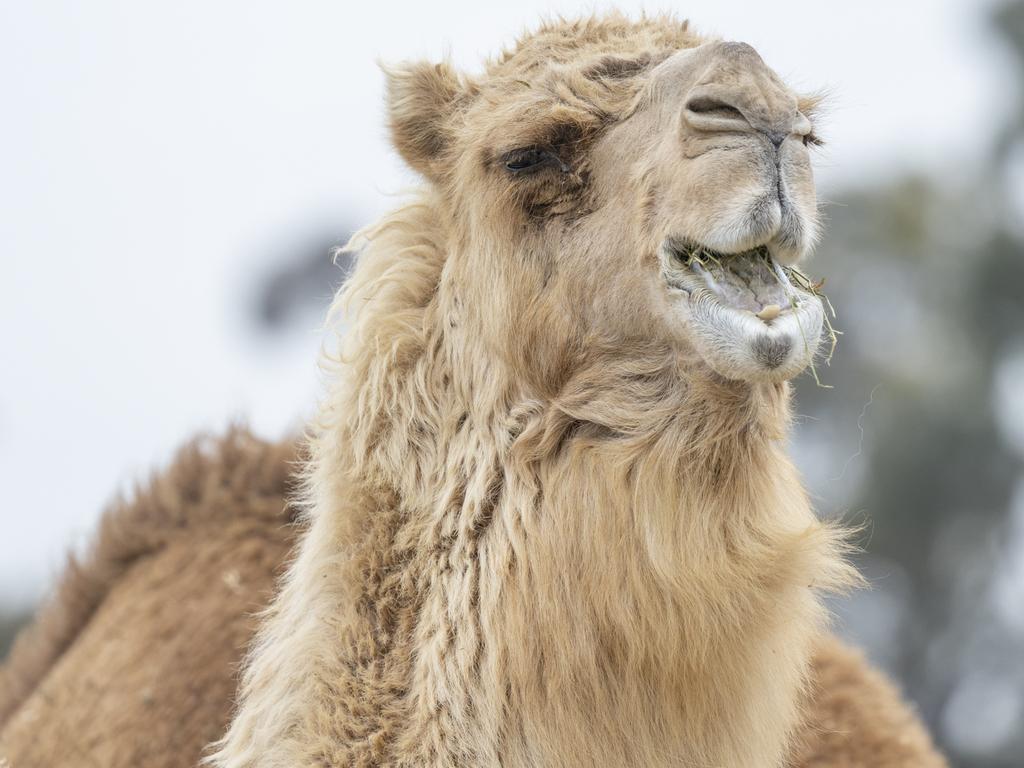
(750, 281)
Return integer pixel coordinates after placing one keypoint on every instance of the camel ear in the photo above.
(421, 99)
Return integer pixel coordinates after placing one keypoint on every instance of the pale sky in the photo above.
(154, 156)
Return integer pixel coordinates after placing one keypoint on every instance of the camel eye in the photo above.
(528, 160)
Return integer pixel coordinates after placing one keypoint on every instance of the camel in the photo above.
(545, 514)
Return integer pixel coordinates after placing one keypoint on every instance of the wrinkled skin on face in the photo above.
(581, 184)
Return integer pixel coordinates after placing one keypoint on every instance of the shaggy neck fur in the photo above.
(620, 572)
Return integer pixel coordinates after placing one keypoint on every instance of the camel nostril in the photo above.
(712, 110)
(712, 107)
(716, 110)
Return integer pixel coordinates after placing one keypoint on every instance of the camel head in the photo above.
(622, 185)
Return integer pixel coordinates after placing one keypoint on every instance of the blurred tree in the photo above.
(298, 283)
(928, 277)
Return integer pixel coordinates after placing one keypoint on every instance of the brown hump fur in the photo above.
(131, 661)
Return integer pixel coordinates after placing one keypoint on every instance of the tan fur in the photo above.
(168, 623)
(542, 531)
(855, 718)
(131, 663)
(542, 528)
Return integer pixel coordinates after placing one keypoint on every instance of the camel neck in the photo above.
(542, 574)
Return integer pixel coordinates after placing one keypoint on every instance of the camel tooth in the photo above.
(770, 312)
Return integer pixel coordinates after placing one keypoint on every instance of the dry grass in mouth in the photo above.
(805, 283)
(788, 277)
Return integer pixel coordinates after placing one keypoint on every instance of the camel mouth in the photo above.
(751, 281)
(750, 317)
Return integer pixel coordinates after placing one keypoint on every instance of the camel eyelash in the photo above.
(527, 160)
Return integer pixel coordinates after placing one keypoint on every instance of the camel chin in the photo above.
(742, 313)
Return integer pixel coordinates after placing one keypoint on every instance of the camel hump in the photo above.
(181, 567)
(855, 716)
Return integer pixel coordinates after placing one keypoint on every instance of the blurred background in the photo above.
(173, 177)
